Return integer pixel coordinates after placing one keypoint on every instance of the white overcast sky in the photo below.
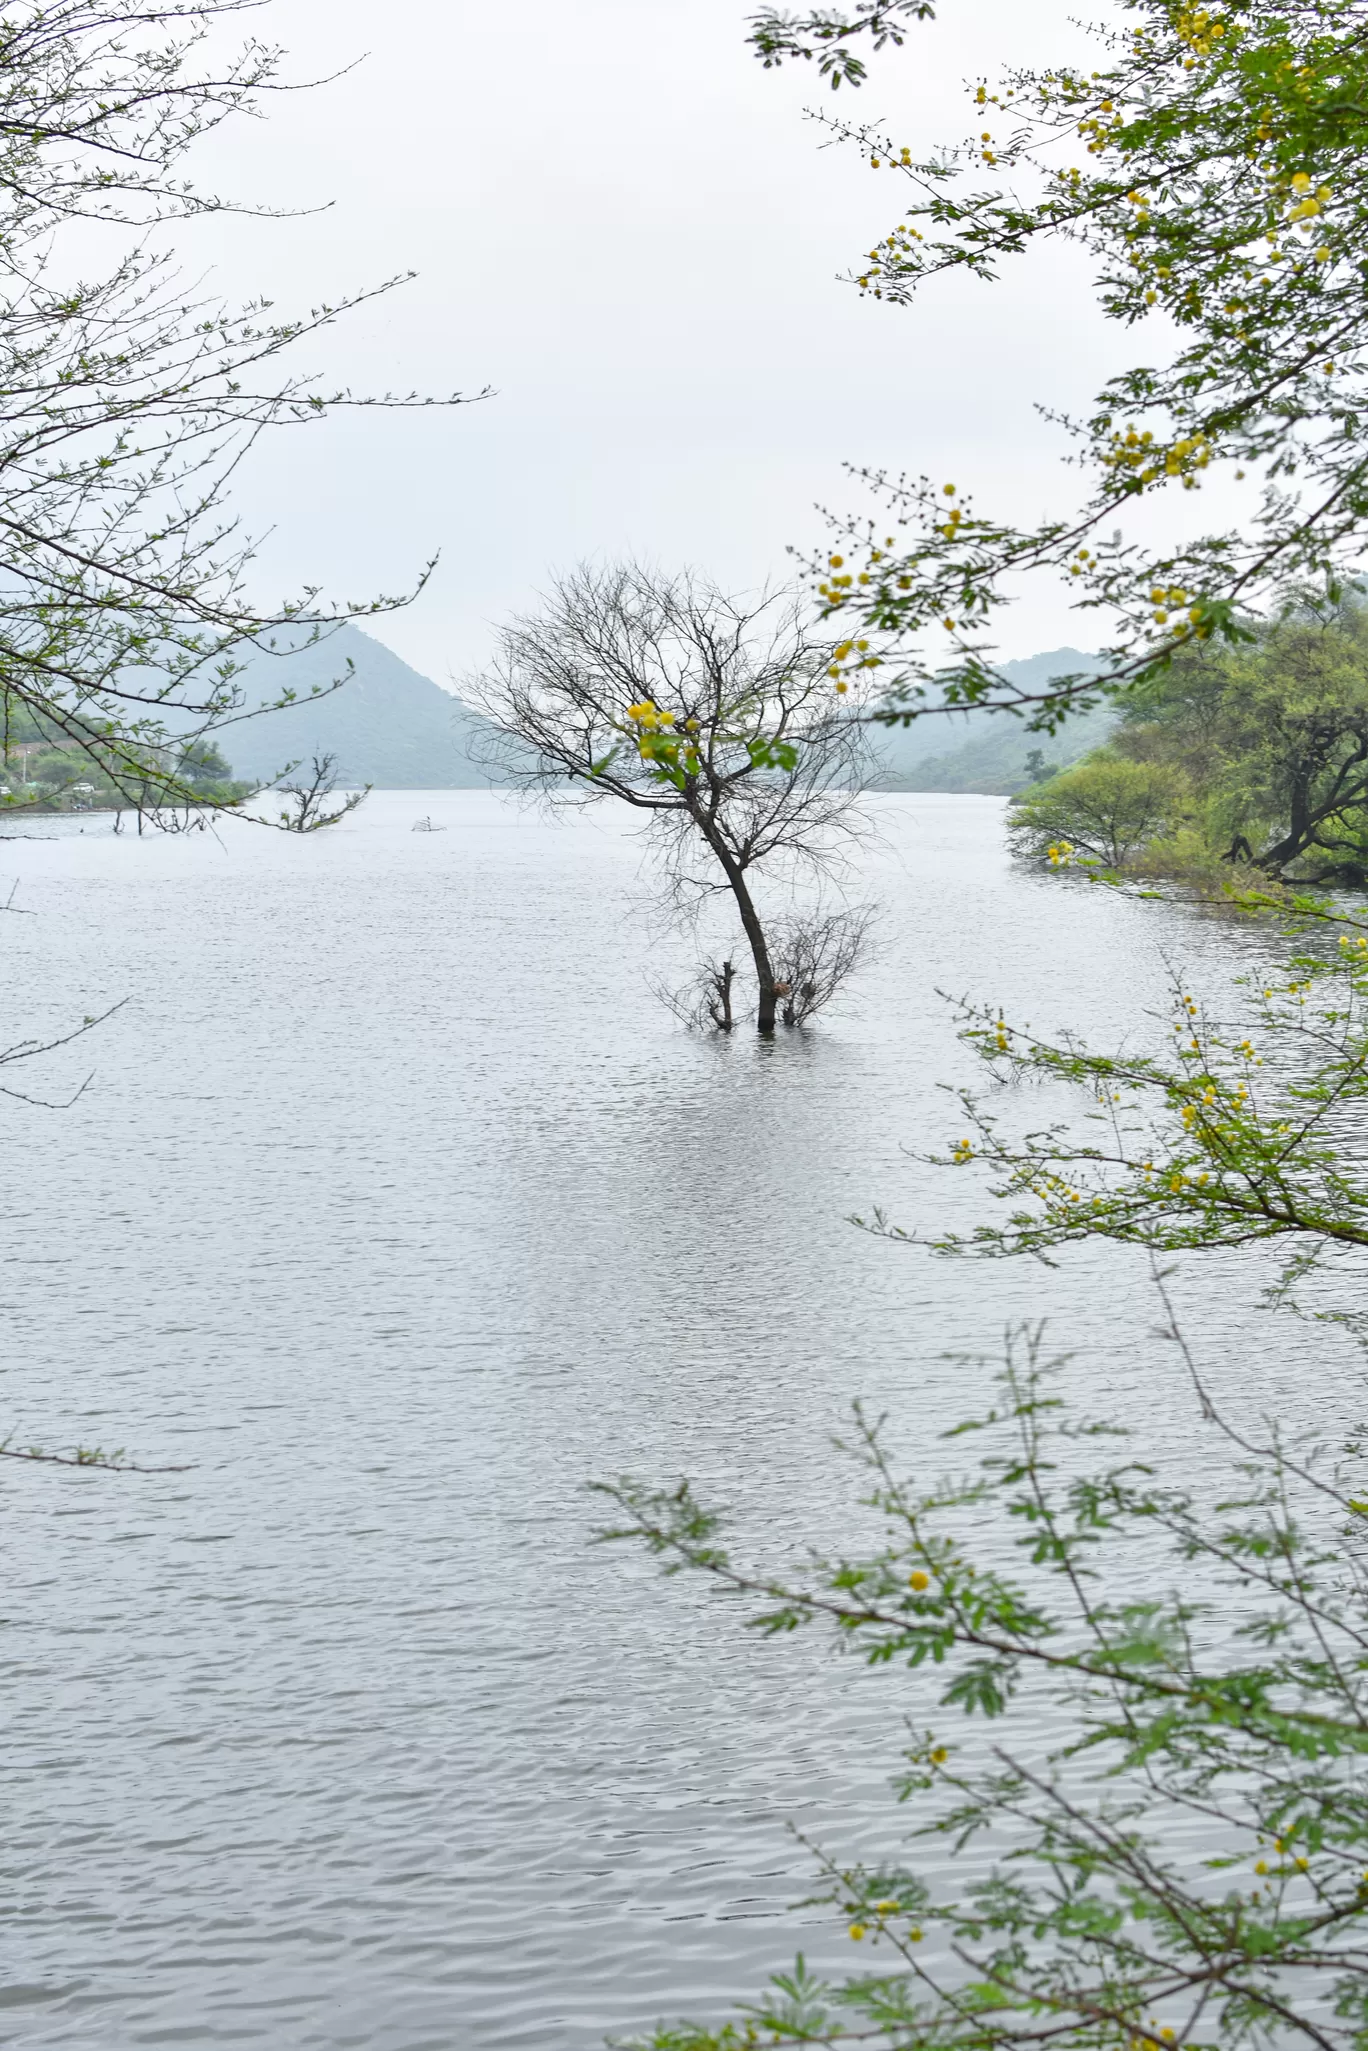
(627, 227)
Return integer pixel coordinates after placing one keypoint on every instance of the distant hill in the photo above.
(986, 751)
(393, 728)
(387, 725)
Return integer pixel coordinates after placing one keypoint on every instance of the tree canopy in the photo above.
(1251, 752)
(1211, 162)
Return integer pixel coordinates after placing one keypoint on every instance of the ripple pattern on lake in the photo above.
(396, 1208)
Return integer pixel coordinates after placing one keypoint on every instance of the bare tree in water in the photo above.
(310, 798)
(706, 1003)
(719, 720)
(814, 954)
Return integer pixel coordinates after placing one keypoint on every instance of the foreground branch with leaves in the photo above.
(1239, 1133)
(1185, 1866)
(1210, 161)
(1169, 1846)
(127, 401)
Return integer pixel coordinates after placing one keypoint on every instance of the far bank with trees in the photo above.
(1238, 756)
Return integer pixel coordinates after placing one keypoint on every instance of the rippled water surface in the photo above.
(397, 1207)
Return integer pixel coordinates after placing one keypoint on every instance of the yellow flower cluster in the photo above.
(1136, 451)
(1099, 131)
(842, 653)
(1193, 452)
(647, 714)
(1170, 597)
(1304, 204)
(1060, 854)
(659, 743)
(836, 586)
(836, 589)
(1132, 451)
(881, 1909)
(894, 252)
(1199, 31)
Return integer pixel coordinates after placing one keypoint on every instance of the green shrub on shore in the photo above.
(67, 780)
(1106, 808)
(1265, 747)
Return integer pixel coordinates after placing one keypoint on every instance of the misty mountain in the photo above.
(391, 727)
(986, 751)
(387, 725)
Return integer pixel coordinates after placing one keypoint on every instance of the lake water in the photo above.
(397, 1207)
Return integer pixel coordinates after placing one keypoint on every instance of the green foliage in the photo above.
(1171, 1668)
(1106, 808)
(1273, 736)
(54, 768)
(95, 778)
(827, 33)
(1213, 164)
(204, 763)
(1233, 1136)
(1207, 1663)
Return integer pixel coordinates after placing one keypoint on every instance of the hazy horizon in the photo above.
(628, 228)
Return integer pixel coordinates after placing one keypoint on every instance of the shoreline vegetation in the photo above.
(1241, 762)
(176, 792)
(41, 778)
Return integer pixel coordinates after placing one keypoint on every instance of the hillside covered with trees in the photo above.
(982, 751)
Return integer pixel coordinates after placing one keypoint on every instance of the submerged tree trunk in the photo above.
(755, 938)
(720, 1004)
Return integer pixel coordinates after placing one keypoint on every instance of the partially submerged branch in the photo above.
(311, 808)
